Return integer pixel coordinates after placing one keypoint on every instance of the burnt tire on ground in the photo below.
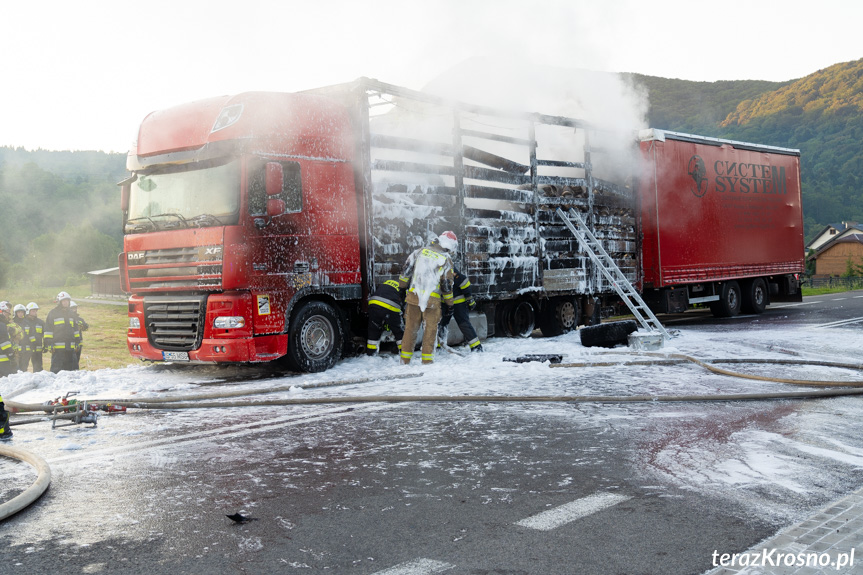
(608, 334)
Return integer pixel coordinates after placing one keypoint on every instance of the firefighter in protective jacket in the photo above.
(61, 335)
(23, 349)
(5, 431)
(7, 353)
(428, 276)
(463, 304)
(385, 313)
(37, 332)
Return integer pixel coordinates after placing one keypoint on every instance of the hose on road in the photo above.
(197, 401)
(32, 493)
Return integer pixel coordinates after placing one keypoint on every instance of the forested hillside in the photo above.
(821, 114)
(59, 214)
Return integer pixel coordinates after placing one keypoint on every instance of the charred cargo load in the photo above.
(257, 225)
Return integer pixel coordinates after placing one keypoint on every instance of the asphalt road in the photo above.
(409, 489)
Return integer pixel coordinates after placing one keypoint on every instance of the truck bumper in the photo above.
(223, 350)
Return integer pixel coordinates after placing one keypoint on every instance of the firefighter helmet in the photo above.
(32, 305)
(4, 306)
(448, 241)
(63, 295)
(73, 304)
(19, 307)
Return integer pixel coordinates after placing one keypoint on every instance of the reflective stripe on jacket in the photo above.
(388, 295)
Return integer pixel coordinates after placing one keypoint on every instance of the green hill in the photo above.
(821, 114)
(59, 214)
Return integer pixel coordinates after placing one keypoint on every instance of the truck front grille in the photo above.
(175, 323)
(187, 268)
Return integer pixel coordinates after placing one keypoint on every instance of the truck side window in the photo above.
(292, 187)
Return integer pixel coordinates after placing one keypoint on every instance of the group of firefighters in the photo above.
(24, 336)
(432, 291)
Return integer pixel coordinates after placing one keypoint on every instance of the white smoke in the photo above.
(606, 101)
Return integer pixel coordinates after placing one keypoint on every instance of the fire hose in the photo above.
(33, 492)
(196, 401)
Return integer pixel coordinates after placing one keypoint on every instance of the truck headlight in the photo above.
(229, 322)
(134, 323)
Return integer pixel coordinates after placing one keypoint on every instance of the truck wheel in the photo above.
(608, 334)
(315, 337)
(560, 315)
(515, 319)
(729, 300)
(522, 320)
(755, 296)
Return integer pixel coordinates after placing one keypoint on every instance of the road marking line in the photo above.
(836, 323)
(553, 518)
(417, 567)
(780, 306)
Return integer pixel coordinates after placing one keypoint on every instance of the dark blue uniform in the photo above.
(385, 313)
(463, 302)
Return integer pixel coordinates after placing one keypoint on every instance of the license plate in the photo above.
(175, 355)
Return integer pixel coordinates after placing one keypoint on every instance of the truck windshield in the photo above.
(200, 195)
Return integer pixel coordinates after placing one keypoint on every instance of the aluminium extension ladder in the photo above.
(612, 273)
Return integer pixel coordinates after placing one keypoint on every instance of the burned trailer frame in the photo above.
(426, 164)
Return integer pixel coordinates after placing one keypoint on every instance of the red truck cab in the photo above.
(240, 213)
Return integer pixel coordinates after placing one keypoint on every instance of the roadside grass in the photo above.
(823, 290)
(104, 343)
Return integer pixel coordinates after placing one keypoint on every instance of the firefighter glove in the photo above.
(471, 304)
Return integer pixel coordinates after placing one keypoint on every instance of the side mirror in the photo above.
(275, 207)
(275, 179)
(125, 192)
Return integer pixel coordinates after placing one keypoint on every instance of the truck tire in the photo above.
(515, 319)
(729, 302)
(560, 315)
(315, 337)
(755, 296)
(522, 320)
(608, 334)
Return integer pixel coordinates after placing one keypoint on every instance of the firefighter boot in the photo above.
(5, 430)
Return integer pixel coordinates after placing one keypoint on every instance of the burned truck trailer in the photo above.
(257, 225)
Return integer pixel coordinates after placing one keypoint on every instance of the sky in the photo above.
(82, 75)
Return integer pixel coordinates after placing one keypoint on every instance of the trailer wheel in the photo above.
(523, 320)
(560, 315)
(516, 319)
(315, 338)
(729, 300)
(755, 296)
(608, 334)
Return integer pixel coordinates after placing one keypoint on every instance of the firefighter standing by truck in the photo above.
(23, 347)
(37, 332)
(428, 276)
(81, 326)
(463, 304)
(7, 353)
(61, 335)
(385, 314)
